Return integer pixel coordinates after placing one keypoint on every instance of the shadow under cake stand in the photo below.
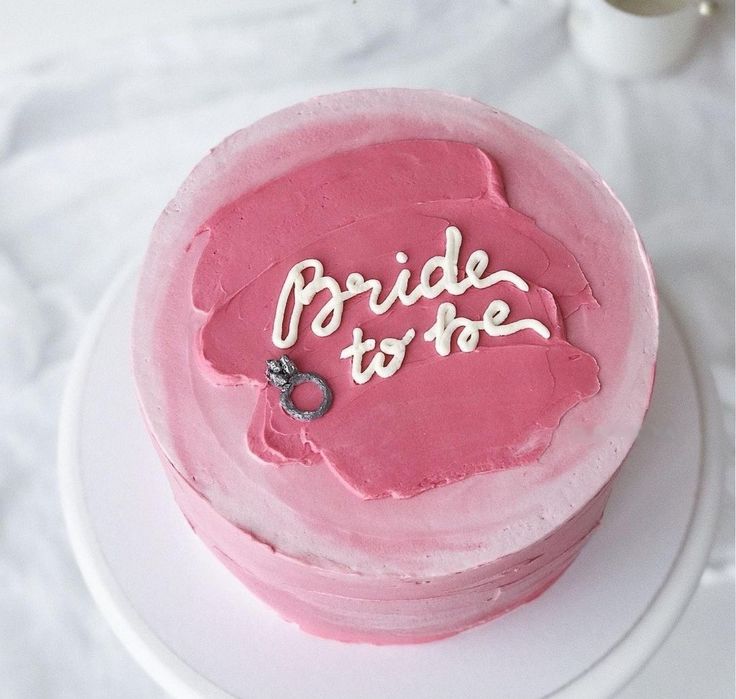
(200, 633)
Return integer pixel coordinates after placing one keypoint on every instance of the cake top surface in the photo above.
(474, 296)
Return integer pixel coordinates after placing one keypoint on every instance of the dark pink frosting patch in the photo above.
(439, 419)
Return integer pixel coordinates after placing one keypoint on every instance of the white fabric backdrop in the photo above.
(94, 141)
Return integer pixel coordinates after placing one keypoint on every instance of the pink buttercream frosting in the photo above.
(354, 211)
(463, 485)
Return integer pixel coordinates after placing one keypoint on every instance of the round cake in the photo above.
(392, 347)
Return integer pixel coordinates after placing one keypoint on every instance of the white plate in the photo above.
(199, 632)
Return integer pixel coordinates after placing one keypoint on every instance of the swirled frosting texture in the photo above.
(440, 418)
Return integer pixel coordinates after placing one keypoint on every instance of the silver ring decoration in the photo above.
(284, 374)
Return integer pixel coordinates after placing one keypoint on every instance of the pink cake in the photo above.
(469, 327)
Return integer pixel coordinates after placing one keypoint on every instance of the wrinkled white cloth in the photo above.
(94, 143)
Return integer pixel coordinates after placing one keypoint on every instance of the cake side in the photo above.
(379, 609)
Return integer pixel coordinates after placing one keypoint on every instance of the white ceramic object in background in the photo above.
(636, 38)
(200, 633)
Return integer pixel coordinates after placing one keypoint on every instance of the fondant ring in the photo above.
(284, 374)
(288, 405)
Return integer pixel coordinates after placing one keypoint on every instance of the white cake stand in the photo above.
(200, 633)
